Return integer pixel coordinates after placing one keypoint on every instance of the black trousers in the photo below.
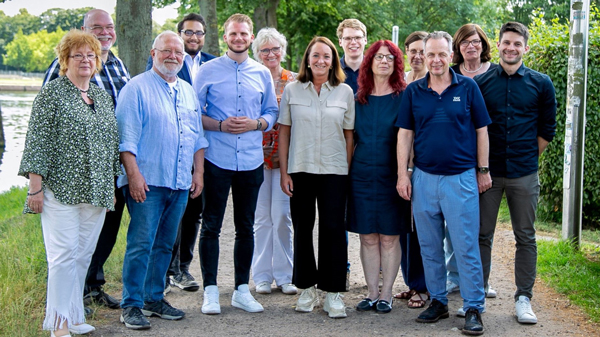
(245, 186)
(106, 242)
(329, 193)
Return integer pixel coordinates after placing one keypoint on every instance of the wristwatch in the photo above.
(258, 125)
(484, 170)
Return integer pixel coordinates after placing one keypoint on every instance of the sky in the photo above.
(37, 7)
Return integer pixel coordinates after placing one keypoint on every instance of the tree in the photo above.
(63, 18)
(9, 26)
(33, 52)
(134, 30)
(524, 10)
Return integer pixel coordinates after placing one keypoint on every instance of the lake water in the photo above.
(16, 108)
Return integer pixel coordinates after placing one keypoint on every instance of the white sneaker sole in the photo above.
(245, 308)
(263, 291)
(308, 307)
(527, 320)
(211, 311)
(335, 313)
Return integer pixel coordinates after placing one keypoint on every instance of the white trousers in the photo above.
(70, 236)
(273, 245)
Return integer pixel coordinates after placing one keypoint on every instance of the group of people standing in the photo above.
(405, 160)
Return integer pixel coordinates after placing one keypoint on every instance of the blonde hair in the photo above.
(351, 23)
(75, 39)
(239, 18)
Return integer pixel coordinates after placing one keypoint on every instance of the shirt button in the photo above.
(239, 137)
(240, 96)
(508, 104)
(239, 82)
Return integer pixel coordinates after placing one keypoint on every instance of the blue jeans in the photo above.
(455, 199)
(150, 238)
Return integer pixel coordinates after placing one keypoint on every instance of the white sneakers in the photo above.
(289, 289)
(308, 300)
(243, 299)
(81, 329)
(334, 305)
(263, 288)
(524, 312)
(491, 293)
(210, 305)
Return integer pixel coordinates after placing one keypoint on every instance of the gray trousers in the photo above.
(522, 198)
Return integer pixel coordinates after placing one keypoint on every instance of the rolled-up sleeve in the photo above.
(129, 119)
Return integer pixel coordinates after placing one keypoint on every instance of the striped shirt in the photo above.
(112, 77)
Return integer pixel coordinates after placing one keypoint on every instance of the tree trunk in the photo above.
(265, 15)
(134, 32)
(208, 9)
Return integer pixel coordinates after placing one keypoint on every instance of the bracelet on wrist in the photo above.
(220, 126)
(34, 193)
(410, 169)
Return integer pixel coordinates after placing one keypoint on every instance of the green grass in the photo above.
(23, 268)
(575, 274)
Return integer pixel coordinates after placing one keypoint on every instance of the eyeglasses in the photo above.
(100, 29)
(168, 52)
(352, 38)
(414, 52)
(79, 57)
(474, 43)
(190, 32)
(274, 50)
(388, 57)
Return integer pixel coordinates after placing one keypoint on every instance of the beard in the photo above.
(170, 70)
(231, 47)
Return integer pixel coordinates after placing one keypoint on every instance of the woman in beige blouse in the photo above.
(315, 146)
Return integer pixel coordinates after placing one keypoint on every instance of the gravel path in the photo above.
(555, 314)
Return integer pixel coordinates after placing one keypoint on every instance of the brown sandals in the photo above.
(412, 302)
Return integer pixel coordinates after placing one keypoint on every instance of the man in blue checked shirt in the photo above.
(240, 103)
(111, 77)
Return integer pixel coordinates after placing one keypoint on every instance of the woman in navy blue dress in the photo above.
(375, 210)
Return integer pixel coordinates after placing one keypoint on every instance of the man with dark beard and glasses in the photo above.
(240, 102)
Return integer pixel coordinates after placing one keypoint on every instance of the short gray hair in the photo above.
(265, 36)
(164, 34)
(438, 35)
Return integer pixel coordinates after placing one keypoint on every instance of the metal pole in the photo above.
(575, 122)
(395, 30)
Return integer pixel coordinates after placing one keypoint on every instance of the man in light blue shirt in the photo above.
(240, 103)
(161, 139)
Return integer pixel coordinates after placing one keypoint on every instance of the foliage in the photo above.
(32, 52)
(549, 52)
(571, 273)
(523, 11)
(65, 19)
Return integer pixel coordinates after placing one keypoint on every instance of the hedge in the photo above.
(549, 43)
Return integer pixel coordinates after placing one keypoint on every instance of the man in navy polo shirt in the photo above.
(445, 115)
(522, 106)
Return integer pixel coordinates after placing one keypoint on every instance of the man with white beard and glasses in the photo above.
(161, 139)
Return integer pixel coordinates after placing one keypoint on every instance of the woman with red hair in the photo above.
(375, 210)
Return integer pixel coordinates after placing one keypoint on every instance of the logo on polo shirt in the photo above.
(456, 99)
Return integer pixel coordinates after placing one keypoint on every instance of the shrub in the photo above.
(549, 52)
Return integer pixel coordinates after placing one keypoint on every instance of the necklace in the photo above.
(83, 91)
(472, 71)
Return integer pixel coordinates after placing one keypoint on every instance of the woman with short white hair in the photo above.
(273, 247)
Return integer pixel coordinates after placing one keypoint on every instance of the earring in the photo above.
(330, 67)
(309, 65)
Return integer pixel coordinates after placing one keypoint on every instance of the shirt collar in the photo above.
(310, 83)
(423, 83)
(229, 59)
(111, 58)
(520, 71)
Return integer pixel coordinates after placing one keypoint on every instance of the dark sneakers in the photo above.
(434, 313)
(134, 319)
(98, 296)
(366, 304)
(162, 309)
(473, 323)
